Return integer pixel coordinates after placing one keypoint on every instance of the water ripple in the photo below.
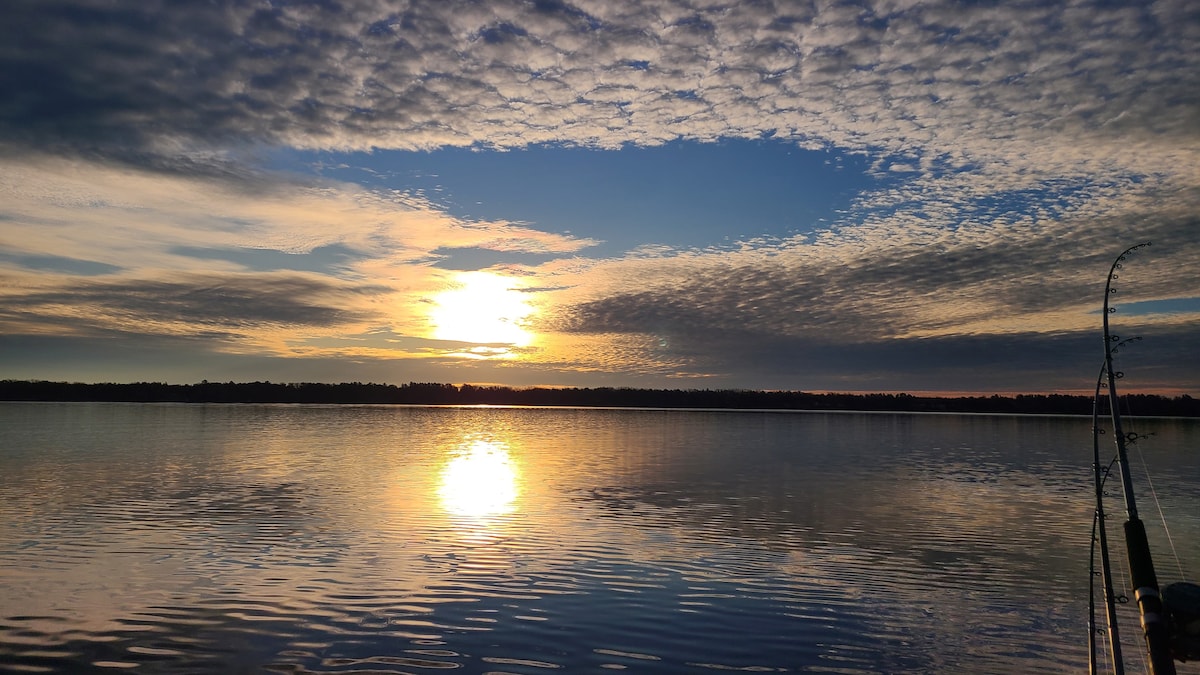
(213, 539)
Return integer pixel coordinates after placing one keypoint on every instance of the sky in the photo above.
(887, 196)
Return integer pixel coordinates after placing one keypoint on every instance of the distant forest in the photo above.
(417, 393)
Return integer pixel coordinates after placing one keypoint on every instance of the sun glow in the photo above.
(479, 482)
(484, 309)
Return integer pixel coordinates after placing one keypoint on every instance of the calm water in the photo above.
(346, 539)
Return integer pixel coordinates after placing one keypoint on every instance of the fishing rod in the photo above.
(1137, 546)
(1100, 535)
(1171, 619)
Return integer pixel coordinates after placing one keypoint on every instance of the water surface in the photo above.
(352, 539)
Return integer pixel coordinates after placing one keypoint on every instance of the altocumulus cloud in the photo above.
(1031, 140)
(995, 309)
(1099, 83)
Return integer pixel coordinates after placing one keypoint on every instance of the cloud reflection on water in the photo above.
(317, 538)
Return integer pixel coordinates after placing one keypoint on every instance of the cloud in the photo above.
(1009, 362)
(964, 101)
(1027, 143)
(88, 211)
(1020, 87)
(55, 263)
(92, 250)
(928, 280)
(226, 301)
(893, 295)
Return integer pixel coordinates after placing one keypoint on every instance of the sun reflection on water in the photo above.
(480, 481)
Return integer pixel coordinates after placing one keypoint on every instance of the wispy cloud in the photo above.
(91, 249)
(190, 303)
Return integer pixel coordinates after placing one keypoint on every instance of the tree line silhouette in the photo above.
(429, 393)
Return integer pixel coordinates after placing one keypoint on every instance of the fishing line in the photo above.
(1107, 666)
(1142, 653)
(1128, 641)
(1116, 601)
(1154, 493)
(1161, 516)
(1133, 644)
(1097, 631)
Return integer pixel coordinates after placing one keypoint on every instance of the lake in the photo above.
(164, 538)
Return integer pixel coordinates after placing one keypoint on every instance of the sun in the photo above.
(484, 309)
